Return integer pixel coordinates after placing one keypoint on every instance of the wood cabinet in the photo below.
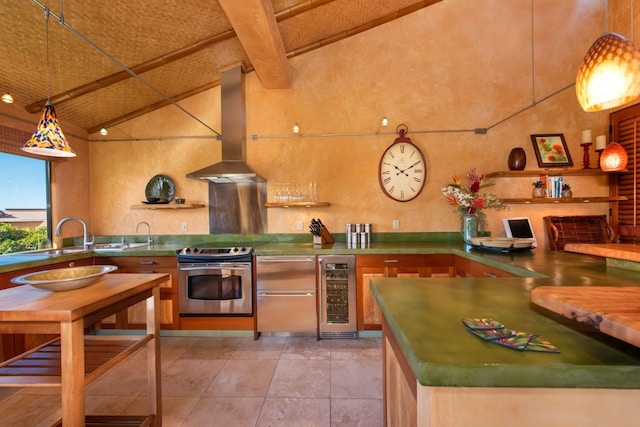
(400, 385)
(134, 317)
(468, 268)
(13, 344)
(371, 266)
(555, 172)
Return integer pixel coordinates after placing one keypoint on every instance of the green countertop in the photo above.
(425, 316)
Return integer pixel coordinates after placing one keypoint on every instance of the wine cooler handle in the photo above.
(320, 294)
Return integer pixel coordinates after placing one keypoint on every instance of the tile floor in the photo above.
(229, 381)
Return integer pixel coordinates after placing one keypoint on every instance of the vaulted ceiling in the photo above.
(114, 60)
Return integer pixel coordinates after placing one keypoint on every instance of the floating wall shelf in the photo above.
(563, 200)
(296, 204)
(550, 172)
(555, 172)
(168, 206)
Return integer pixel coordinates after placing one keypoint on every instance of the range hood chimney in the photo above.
(233, 167)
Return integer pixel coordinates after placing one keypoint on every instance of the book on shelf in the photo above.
(554, 186)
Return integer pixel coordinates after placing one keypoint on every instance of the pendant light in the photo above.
(48, 139)
(610, 73)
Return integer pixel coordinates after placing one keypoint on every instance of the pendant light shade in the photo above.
(613, 158)
(48, 139)
(609, 75)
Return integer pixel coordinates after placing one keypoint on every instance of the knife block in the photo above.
(324, 238)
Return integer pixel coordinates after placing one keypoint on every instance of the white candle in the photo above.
(601, 142)
(586, 136)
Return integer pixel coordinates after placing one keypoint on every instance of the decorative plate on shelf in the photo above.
(155, 202)
(160, 189)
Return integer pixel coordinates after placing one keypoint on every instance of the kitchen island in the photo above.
(437, 373)
(76, 360)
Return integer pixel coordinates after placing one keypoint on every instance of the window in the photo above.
(625, 215)
(25, 208)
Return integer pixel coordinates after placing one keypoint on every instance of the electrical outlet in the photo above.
(184, 227)
(396, 224)
(299, 225)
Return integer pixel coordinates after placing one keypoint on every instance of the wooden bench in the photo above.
(577, 229)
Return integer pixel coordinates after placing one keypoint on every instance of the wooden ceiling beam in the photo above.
(255, 25)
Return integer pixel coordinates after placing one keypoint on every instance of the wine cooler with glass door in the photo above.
(337, 296)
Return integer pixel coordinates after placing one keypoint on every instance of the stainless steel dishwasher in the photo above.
(286, 295)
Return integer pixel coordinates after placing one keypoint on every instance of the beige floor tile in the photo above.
(242, 378)
(356, 413)
(189, 377)
(356, 378)
(230, 381)
(263, 348)
(301, 378)
(211, 348)
(127, 379)
(363, 348)
(107, 405)
(8, 391)
(306, 348)
(28, 410)
(287, 412)
(224, 412)
(174, 409)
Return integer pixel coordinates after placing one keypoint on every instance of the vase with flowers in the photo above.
(538, 189)
(466, 196)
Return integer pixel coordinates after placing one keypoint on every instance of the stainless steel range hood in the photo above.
(233, 167)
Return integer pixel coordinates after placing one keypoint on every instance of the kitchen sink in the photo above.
(106, 247)
(51, 251)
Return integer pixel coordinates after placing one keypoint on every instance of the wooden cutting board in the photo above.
(614, 310)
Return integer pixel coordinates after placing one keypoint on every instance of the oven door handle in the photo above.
(281, 258)
(285, 294)
(215, 267)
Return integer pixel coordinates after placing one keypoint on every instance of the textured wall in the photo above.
(442, 71)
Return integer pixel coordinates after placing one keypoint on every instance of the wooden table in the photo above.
(614, 310)
(25, 309)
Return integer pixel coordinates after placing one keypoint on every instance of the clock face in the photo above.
(402, 172)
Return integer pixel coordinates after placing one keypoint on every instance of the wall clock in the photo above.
(402, 172)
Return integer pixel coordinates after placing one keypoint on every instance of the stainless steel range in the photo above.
(215, 281)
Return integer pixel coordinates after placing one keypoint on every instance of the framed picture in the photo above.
(551, 150)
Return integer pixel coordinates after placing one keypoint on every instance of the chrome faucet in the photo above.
(149, 239)
(85, 242)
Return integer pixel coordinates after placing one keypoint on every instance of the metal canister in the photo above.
(358, 228)
(347, 231)
(364, 237)
(354, 239)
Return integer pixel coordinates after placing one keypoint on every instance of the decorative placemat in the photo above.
(493, 331)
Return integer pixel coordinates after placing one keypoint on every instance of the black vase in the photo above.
(517, 159)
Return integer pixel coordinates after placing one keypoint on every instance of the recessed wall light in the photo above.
(7, 98)
(104, 132)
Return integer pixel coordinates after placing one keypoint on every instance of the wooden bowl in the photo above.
(65, 279)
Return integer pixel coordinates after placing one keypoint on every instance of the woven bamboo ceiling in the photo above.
(177, 48)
